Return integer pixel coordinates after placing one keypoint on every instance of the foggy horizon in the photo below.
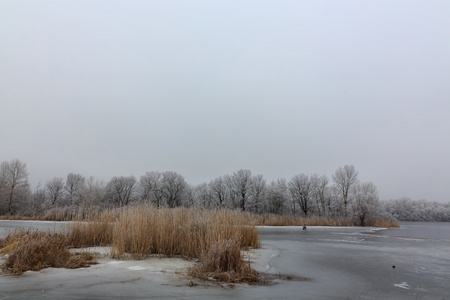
(119, 88)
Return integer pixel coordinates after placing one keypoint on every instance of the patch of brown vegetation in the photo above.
(283, 220)
(81, 260)
(222, 261)
(97, 232)
(38, 250)
(139, 231)
(382, 222)
(144, 230)
(12, 240)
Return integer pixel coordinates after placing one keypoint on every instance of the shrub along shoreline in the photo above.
(266, 219)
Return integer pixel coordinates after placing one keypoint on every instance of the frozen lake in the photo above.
(358, 263)
(341, 263)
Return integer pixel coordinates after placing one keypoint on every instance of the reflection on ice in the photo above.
(136, 268)
(403, 285)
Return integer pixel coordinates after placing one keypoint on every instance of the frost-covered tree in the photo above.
(232, 192)
(74, 187)
(151, 188)
(173, 188)
(405, 209)
(319, 192)
(218, 189)
(162, 188)
(257, 201)
(188, 196)
(37, 205)
(94, 193)
(121, 190)
(54, 190)
(242, 185)
(14, 187)
(366, 203)
(203, 196)
(344, 179)
(277, 197)
(300, 189)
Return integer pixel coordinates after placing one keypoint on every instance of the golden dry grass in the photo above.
(222, 261)
(382, 222)
(34, 251)
(282, 220)
(97, 230)
(143, 230)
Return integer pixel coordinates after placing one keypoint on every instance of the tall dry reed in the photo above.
(143, 230)
(139, 231)
(382, 222)
(282, 220)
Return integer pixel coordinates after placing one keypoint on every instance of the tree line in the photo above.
(305, 195)
(405, 209)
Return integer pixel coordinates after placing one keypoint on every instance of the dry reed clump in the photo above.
(222, 261)
(37, 250)
(282, 220)
(96, 231)
(81, 260)
(17, 217)
(144, 230)
(138, 232)
(214, 236)
(383, 222)
(12, 240)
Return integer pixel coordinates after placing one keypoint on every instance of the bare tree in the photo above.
(37, 201)
(151, 188)
(366, 203)
(121, 190)
(203, 196)
(319, 188)
(218, 189)
(14, 186)
(276, 196)
(241, 183)
(231, 192)
(330, 201)
(94, 193)
(189, 197)
(165, 188)
(344, 178)
(300, 189)
(54, 190)
(258, 189)
(75, 184)
(173, 188)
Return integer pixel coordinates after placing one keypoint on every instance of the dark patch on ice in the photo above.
(271, 279)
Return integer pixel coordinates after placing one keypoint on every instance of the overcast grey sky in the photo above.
(204, 88)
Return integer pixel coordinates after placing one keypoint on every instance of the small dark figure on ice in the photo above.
(304, 226)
